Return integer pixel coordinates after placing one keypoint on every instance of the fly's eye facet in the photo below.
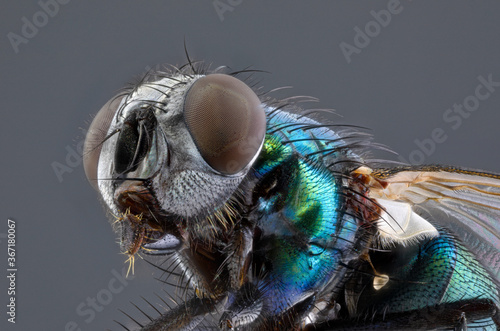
(94, 139)
(226, 121)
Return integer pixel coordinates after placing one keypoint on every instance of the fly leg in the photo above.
(455, 316)
(186, 316)
(244, 309)
(462, 323)
(240, 254)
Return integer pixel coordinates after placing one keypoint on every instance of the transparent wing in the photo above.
(466, 202)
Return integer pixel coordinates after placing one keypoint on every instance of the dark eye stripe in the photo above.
(134, 140)
(226, 121)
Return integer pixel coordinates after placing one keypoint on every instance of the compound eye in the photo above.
(226, 120)
(94, 140)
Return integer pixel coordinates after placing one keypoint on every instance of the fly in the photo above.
(277, 221)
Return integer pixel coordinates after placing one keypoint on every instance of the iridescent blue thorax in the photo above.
(300, 211)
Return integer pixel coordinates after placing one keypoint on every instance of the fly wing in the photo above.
(465, 202)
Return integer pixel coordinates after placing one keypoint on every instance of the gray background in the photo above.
(426, 59)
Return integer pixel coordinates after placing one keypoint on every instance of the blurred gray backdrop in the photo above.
(414, 72)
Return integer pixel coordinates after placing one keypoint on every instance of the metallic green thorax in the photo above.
(304, 233)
